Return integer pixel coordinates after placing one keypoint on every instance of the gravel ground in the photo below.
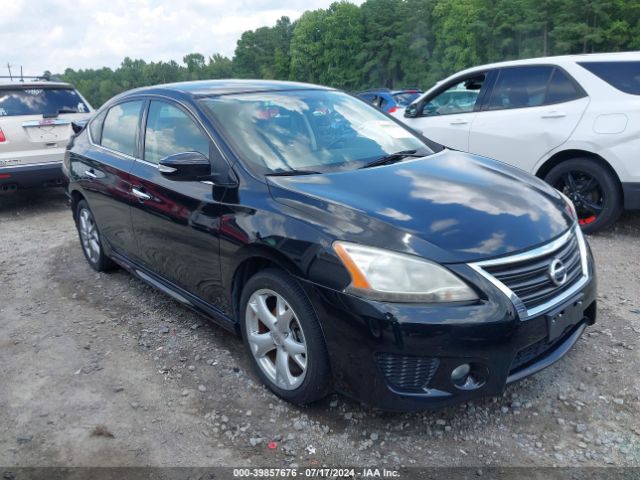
(102, 370)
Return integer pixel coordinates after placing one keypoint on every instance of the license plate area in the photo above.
(565, 316)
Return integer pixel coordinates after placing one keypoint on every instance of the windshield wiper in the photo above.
(287, 173)
(392, 158)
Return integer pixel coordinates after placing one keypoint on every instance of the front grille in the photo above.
(529, 279)
(407, 374)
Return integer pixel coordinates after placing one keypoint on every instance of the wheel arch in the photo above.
(249, 261)
(559, 157)
(76, 198)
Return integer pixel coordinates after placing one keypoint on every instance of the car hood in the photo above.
(450, 206)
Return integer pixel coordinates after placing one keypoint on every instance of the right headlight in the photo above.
(394, 277)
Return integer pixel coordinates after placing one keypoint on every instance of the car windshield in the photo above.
(310, 130)
(405, 98)
(40, 101)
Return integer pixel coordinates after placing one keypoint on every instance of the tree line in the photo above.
(390, 43)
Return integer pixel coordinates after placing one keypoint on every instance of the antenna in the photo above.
(9, 68)
(21, 76)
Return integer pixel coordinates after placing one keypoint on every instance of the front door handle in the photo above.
(140, 194)
(459, 121)
(554, 114)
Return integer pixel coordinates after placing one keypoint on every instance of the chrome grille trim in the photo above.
(523, 312)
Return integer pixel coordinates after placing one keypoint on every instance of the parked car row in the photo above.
(350, 250)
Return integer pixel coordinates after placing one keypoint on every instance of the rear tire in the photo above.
(283, 337)
(91, 240)
(592, 188)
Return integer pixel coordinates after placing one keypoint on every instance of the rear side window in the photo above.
(120, 128)
(625, 76)
(170, 131)
(40, 101)
(562, 88)
(520, 87)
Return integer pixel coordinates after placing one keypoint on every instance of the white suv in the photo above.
(572, 120)
(35, 126)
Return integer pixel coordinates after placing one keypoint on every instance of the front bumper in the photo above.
(380, 352)
(31, 176)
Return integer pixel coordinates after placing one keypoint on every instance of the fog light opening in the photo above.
(469, 376)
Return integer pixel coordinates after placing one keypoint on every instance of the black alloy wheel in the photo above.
(593, 190)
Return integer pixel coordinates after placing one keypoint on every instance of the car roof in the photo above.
(558, 60)
(31, 84)
(202, 88)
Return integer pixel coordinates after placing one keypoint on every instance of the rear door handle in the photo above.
(91, 174)
(140, 194)
(554, 114)
(459, 121)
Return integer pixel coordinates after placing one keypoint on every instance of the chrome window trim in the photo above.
(520, 307)
(149, 96)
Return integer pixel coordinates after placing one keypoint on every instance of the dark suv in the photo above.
(349, 252)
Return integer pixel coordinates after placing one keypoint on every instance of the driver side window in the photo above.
(458, 98)
(170, 131)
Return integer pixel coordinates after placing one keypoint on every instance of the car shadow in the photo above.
(35, 201)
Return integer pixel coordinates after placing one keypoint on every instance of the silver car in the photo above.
(35, 126)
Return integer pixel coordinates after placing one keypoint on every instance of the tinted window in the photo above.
(40, 101)
(459, 98)
(121, 126)
(624, 76)
(307, 130)
(520, 87)
(95, 127)
(561, 88)
(170, 131)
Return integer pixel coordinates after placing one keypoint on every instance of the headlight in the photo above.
(393, 277)
(570, 207)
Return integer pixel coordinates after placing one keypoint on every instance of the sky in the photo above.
(55, 34)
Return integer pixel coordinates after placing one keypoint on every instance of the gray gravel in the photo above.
(80, 349)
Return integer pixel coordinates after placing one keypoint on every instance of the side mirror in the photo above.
(78, 125)
(411, 111)
(185, 167)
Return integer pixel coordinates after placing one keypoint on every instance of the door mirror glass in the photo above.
(186, 166)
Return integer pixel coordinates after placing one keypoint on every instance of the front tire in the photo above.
(90, 239)
(592, 188)
(283, 337)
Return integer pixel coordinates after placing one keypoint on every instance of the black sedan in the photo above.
(350, 253)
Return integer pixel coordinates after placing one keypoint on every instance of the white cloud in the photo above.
(55, 34)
